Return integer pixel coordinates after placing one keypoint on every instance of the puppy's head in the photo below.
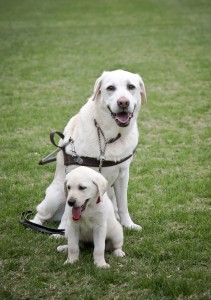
(121, 94)
(82, 187)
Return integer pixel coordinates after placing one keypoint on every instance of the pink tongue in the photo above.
(122, 117)
(76, 213)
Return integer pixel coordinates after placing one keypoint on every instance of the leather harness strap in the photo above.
(84, 160)
(92, 162)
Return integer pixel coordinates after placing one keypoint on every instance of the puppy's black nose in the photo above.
(71, 202)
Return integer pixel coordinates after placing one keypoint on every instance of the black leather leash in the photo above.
(43, 229)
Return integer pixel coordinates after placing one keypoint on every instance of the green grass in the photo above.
(51, 52)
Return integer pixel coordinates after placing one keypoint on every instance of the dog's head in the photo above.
(121, 94)
(83, 186)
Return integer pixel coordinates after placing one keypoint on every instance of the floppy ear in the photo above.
(97, 86)
(143, 91)
(65, 189)
(101, 184)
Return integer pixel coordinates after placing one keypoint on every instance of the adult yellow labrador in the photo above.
(105, 130)
(90, 216)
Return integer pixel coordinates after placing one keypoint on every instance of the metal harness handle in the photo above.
(49, 158)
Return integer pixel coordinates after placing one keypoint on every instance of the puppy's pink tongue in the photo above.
(76, 213)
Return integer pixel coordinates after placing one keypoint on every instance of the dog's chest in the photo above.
(86, 229)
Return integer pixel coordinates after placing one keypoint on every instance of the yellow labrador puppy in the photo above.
(104, 131)
(91, 216)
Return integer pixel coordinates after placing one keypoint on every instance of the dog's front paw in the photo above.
(131, 225)
(128, 223)
(62, 248)
(119, 252)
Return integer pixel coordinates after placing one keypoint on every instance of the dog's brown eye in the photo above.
(131, 87)
(111, 88)
(81, 188)
(68, 187)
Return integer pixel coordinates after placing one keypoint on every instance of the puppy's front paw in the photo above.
(119, 252)
(56, 236)
(62, 248)
(70, 260)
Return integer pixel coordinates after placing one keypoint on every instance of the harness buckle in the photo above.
(102, 157)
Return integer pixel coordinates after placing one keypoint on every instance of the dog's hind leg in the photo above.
(52, 207)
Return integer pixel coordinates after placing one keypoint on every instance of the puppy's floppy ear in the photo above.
(101, 184)
(143, 91)
(65, 188)
(97, 86)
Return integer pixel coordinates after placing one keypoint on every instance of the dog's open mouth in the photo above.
(122, 118)
(77, 211)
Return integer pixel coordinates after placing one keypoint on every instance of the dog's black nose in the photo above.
(123, 102)
(71, 202)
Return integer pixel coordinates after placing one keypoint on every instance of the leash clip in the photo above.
(101, 159)
(76, 157)
(78, 160)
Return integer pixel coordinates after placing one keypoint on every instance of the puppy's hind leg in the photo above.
(119, 252)
(117, 241)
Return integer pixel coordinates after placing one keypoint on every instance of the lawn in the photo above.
(51, 52)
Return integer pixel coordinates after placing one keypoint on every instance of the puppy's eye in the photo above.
(111, 88)
(81, 187)
(131, 87)
(68, 187)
